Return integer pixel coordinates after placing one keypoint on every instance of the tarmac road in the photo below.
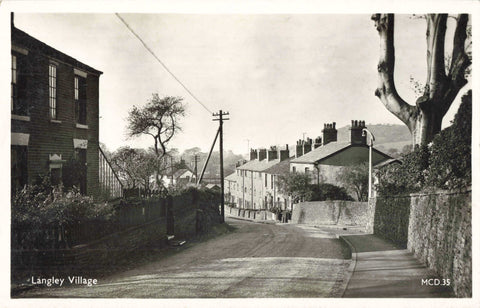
(255, 260)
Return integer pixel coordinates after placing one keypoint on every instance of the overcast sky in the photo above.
(279, 76)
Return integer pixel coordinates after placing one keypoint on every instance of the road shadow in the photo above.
(370, 242)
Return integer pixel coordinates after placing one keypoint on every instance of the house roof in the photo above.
(210, 186)
(333, 148)
(180, 172)
(282, 167)
(24, 40)
(321, 152)
(231, 177)
(256, 165)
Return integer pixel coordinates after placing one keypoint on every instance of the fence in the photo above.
(110, 185)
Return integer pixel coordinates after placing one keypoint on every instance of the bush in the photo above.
(326, 191)
(444, 164)
(450, 160)
(38, 211)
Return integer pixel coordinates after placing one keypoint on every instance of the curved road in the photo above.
(255, 260)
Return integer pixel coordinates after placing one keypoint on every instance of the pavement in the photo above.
(379, 269)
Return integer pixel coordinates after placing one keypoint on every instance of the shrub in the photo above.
(444, 164)
(41, 210)
(326, 191)
(450, 160)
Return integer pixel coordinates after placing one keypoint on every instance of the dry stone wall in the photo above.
(440, 235)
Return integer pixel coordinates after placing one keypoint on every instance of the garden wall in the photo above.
(331, 213)
(440, 235)
(436, 227)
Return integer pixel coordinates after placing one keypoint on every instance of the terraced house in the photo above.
(254, 185)
(54, 119)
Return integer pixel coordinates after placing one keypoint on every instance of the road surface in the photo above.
(255, 260)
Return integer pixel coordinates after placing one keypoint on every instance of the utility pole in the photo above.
(370, 146)
(195, 169)
(220, 115)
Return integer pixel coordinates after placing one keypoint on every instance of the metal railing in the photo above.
(110, 185)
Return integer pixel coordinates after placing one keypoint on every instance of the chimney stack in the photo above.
(307, 146)
(253, 154)
(284, 154)
(262, 154)
(299, 148)
(272, 153)
(356, 132)
(329, 133)
(318, 142)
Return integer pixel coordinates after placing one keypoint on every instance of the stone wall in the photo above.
(391, 218)
(440, 235)
(331, 213)
(250, 214)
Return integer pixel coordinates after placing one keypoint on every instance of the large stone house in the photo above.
(326, 161)
(54, 119)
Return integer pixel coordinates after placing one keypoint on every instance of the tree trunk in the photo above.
(424, 120)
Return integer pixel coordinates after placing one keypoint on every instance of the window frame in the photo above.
(52, 91)
(80, 99)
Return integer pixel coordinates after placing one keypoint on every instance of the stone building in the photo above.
(326, 161)
(252, 182)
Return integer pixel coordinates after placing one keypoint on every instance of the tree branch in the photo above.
(436, 29)
(386, 90)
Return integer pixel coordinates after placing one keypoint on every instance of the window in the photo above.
(294, 169)
(52, 87)
(80, 85)
(19, 173)
(14, 83)
(266, 185)
(271, 179)
(19, 105)
(307, 170)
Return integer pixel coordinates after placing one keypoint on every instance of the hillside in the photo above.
(388, 137)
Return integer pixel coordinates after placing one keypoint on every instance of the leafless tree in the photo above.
(444, 80)
(159, 118)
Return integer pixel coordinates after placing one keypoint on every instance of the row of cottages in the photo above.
(54, 120)
(254, 185)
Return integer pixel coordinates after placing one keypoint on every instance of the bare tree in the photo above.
(159, 118)
(444, 81)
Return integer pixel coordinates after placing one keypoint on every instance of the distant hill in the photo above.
(387, 136)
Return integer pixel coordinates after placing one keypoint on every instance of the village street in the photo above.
(255, 260)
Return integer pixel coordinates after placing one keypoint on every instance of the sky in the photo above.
(280, 76)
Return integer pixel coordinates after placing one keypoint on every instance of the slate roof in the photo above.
(282, 167)
(256, 165)
(328, 150)
(231, 177)
(180, 172)
(321, 152)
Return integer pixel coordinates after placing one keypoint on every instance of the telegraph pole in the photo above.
(220, 118)
(195, 169)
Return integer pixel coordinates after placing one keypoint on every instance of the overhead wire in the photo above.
(161, 62)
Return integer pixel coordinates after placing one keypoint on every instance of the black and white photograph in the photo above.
(283, 156)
